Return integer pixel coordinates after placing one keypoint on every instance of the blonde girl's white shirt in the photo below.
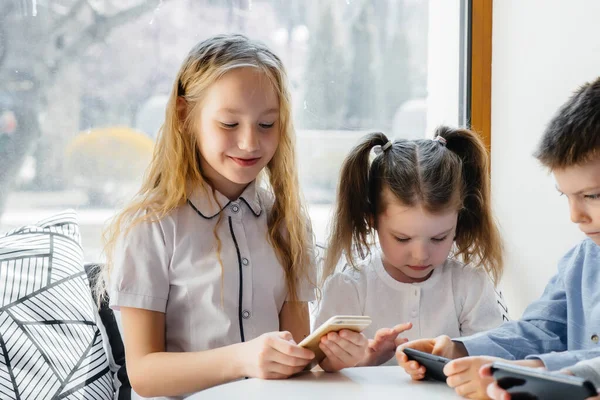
(456, 300)
(171, 266)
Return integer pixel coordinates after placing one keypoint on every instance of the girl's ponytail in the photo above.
(477, 236)
(353, 217)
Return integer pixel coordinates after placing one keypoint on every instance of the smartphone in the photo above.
(434, 365)
(356, 323)
(530, 383)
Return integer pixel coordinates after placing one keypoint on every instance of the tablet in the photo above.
(532, 383)
(336, 323)
(434, 365)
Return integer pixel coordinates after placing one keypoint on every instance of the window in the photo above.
(83, 85)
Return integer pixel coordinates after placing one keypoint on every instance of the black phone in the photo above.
(530, 383)
(434, 365)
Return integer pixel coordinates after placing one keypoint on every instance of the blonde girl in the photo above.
(211, 266)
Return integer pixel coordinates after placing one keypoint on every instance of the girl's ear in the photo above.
(182, 109)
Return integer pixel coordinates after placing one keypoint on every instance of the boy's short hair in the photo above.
(573, 135)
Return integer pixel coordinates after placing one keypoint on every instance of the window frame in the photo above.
(476, 53)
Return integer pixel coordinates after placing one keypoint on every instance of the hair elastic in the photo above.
(440, 139)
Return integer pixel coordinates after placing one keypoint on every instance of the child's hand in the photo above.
(495, 392)
(344, 349)
(440, 346)
(273, 355)
(383, 346)
(463, 376)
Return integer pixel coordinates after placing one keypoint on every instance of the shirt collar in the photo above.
(208, 206)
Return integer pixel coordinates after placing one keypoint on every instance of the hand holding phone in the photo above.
(434, 365)
(531, 383)
(356, 323)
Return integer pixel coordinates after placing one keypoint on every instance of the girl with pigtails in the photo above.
(422, 250)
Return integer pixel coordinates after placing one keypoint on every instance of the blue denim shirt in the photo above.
(562, 327)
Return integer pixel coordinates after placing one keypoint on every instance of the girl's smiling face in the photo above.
(238, 131)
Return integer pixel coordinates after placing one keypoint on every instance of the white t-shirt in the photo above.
(456, 300)
(171, 266)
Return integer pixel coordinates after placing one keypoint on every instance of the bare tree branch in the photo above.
(94, 33)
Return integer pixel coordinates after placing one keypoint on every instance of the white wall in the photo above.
(542, 51)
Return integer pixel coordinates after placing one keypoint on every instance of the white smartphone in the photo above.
(356, 323)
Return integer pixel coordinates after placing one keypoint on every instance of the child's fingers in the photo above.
(401, 357)
(383, 334)
(495, 392)
(458, 380)
(372, 345)
(440, 344)
(415, 373)
(400, 341)
(485, 371)
(286, 359)
(414, 367)
(337, 354)
(416, 376)
(398, 329)
(457, 366)
(356, 338)
(410, 366)
(293, 350)
(426, 345)
(285, 335)
(285, 370)
(354, 350)
(324, 346)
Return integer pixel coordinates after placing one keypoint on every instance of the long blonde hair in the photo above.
(450, 172)
(175, 162)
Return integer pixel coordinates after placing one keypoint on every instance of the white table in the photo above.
(351, 383)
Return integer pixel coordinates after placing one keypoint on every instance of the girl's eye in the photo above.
(267, 126)
(439, 239)
(402, 240)
(592, 196)
(229, 126)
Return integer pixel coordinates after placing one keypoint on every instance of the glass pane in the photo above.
(83, 86)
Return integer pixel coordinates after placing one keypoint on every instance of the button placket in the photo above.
(415, 306)
(244, 260)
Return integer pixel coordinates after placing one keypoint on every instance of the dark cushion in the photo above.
(117, 349)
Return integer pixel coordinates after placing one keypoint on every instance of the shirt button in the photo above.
(415, 313)
(235, 208)
(246, 314)
(595, 338)
(245, 261)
